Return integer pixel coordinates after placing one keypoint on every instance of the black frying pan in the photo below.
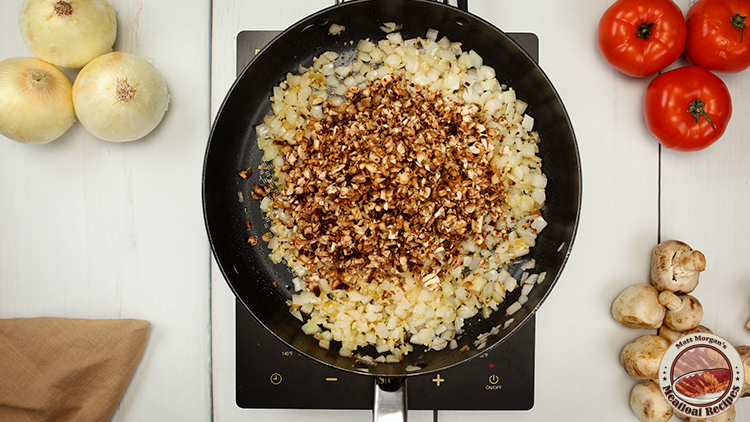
(263, 287)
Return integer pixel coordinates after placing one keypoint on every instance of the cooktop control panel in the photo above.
(273, 376)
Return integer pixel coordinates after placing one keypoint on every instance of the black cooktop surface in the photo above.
(271, 375)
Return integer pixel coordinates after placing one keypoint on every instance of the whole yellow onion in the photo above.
(36, 105)
(68, 33)
(120, 97)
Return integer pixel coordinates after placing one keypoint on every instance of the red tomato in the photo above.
(716, 35)
(642, 37)
(687, 109)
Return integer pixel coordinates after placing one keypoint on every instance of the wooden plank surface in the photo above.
(92, 229)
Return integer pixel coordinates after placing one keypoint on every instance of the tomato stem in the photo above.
(738, 22)
(696, 109)
(645, 30)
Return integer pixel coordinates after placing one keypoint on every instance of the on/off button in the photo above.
(275, 378)
(493, 383)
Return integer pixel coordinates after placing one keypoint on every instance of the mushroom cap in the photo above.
(699, 329)
(744, 352)
(641, 357)
(728, 416)
(676, 266)
(649, 404)
(638, 307)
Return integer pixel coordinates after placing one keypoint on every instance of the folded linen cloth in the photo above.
(62, 369)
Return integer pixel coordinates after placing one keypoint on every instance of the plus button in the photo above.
(437, 380)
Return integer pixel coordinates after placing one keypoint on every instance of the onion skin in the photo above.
(68, 33)
(36, 105)
(120, 97)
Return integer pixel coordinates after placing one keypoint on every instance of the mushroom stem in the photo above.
(670, 300)
(694, 261)
(673, 335)
(669, 334)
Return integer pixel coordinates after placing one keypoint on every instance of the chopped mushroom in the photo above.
(748, 324)
(641, 357)
(684, 312)
(638, 307)
(676, 266)
(649, 404)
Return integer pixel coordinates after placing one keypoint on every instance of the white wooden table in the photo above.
(99, 230)
(94, 229)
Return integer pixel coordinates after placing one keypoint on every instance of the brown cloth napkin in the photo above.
(62, 369)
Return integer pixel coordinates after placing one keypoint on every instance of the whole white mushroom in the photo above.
(638, 307)
(676, 266)
(684, 312)
(641, 357)
(649, 404)
(728, 416)
(744, 352)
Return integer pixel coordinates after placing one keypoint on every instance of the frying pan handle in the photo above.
(462, 5)
(390, 400)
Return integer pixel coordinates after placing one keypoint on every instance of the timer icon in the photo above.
(275, 378)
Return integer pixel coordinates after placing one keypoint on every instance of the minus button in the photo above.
(329, 379)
